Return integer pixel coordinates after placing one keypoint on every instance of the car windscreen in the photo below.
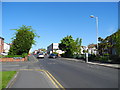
(53, 54)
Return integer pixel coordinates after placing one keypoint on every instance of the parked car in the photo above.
(40, 55)
(53, 55)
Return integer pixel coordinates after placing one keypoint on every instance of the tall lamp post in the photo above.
(96, 28)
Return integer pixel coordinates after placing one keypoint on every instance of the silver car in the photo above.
(40, 55)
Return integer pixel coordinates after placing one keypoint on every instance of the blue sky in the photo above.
(55, 20)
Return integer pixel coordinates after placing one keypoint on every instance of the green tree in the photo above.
(116, 38)
(110, 42)
(105, 45)
(68, 45)
(109, 45)
(78, 45)
(102, 45)
(23, 40)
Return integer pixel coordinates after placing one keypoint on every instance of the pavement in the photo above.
(30, 75)
(117, 66)
(28, 78)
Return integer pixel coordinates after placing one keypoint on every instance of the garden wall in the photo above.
(13, 59)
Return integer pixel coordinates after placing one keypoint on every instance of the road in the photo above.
(69, 74)
(80, 75)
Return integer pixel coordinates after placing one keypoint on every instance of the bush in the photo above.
(102, 58)
(11, 56)
(106, 58)
(24, 54)
(92, 57)
(75, 56)
(99, 58)
(79, 56)
(115, 58)
(66, 55)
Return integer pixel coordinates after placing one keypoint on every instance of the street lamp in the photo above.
(92, 16)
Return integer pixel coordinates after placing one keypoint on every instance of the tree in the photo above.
(102, 46)
(116, 38)
(105, 45)
(23, 40)
(111, 46)
(68, 45)
(78, 45)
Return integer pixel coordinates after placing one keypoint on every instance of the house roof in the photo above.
(92, 45)
(83, 46)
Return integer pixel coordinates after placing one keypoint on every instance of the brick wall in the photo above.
(12, 59)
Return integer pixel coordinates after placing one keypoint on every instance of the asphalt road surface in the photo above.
(69, 74)
(80, 75)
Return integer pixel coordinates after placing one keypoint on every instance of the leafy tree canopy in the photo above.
(116, 38)
(69, 45)
(112, 41)
(23, 40)
(78, 45)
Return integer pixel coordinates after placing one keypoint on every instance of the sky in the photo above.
(55, 20)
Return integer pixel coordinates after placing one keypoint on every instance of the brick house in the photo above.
(1, 44)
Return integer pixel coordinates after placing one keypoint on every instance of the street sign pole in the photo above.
(86, 57)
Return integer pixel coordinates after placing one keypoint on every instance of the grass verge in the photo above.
(5, 77)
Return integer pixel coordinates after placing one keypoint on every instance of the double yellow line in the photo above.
(50, 76)
(54, 81)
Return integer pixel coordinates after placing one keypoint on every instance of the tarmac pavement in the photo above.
(95, 63)
(29, 75)
(31, 79)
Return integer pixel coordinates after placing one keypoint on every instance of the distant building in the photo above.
(42, 50)
(6, 47)
(35, 51)
(54, 47)
(1, 44)
(92, 49)
(83, 48)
